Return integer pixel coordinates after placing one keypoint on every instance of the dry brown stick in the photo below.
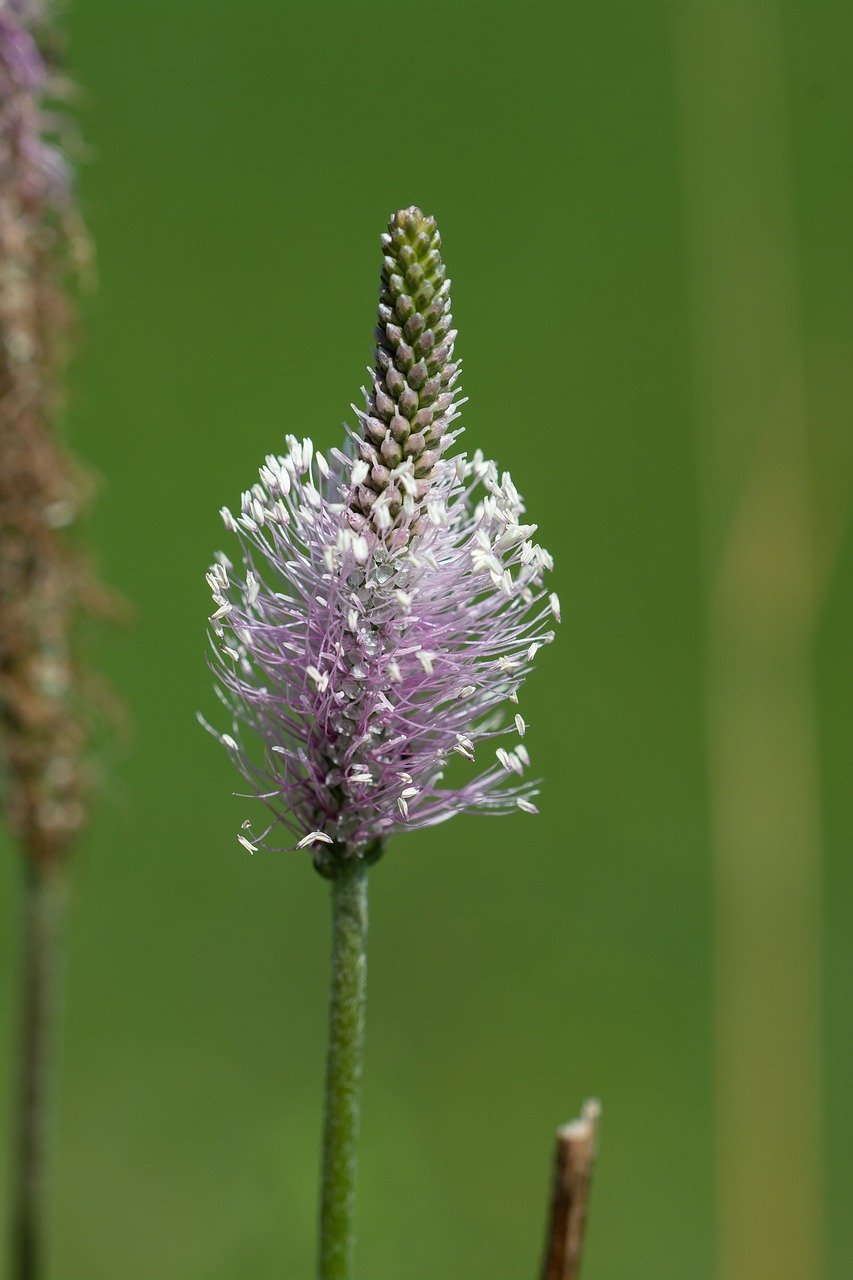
(574, 1160)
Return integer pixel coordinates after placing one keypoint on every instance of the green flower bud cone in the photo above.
(412, 401)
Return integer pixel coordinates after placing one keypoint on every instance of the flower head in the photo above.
(386, 603)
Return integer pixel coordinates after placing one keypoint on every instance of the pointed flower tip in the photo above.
(412, 399)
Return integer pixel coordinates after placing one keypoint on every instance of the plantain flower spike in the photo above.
(43, 580)
(384, 605)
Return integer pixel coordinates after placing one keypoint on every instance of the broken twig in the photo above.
(574, 1160)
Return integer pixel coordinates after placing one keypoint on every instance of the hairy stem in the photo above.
(43, 900)
(343, 1070)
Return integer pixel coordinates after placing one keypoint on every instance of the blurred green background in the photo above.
(244, 159)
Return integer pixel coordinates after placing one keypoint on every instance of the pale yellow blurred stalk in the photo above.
(762, 578)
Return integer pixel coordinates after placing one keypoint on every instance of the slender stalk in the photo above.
(43, 900)
(343, 1070)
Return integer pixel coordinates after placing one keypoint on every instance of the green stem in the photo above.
(43, 901)
(343, 1070)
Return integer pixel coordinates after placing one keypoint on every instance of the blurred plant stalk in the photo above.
(45, 583)
(766, 562)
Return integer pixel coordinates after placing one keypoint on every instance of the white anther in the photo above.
(487, 562)
(247, 844)
(426, 660)
(554, 602)
(437, 511)
(513, 534)
(403, 806)
(526, 805)
(509, 760)
(520, 726)
(313, 837)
